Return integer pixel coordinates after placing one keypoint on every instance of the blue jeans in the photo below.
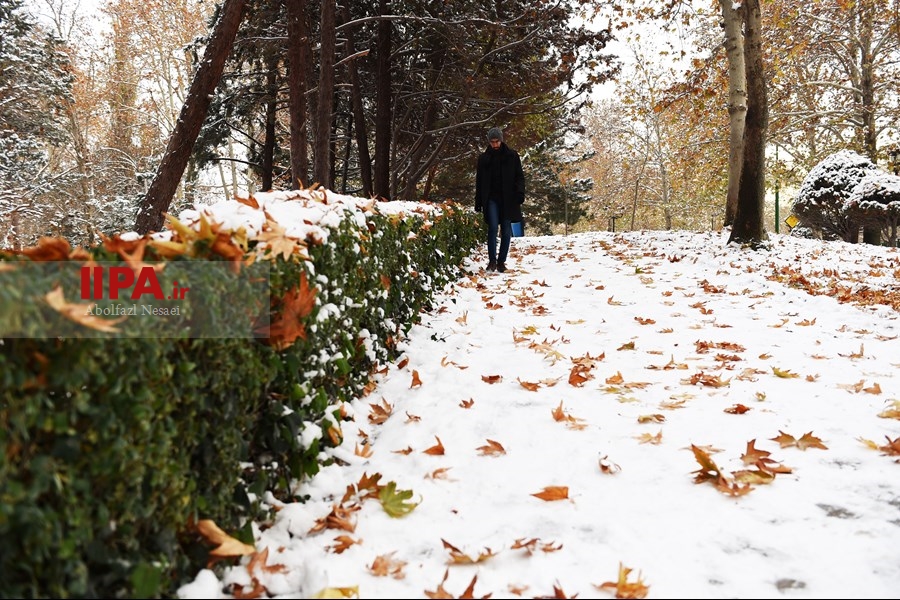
(492, 215)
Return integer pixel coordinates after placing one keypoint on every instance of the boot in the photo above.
(492, 266)
(501, 267)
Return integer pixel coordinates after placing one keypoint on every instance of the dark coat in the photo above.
(513, 182)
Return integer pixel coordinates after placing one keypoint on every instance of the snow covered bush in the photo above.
(875, 202)
(821, 202)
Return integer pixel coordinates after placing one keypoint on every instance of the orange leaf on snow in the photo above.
(615, 379)
(737, 409)
(530, 545)
(441, 592)
(438, 473)
(579, 375)
(808, 440)
(385, 565)
(437, 449)
(753, 454)
(365, 451)
(379, 413)
(342, 542)
(624, 588)
(466, 403)
(492, 378)
(785, 440)
(646, 438)
(552, 493)
(491, 448)
(873, 389)
(528, 385)
(416, 382)
(458, 557)
(338, 518)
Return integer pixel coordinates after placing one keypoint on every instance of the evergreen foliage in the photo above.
(35, 85)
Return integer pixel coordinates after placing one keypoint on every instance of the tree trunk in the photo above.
(749, 227)
(155, 204)
(359, 115)
(871, 234)
(737, 102)
(325, 104)
(298, 56)
(268, 149)
(383, 110)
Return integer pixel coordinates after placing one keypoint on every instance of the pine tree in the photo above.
(35, 84)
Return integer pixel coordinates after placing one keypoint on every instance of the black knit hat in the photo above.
(494, 133)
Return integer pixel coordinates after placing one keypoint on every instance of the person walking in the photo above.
(499, 194)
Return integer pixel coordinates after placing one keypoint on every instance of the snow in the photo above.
(596, 362)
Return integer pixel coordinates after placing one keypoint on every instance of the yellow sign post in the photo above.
(791, 221)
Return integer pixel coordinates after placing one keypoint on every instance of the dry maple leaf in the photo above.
(437, 449)
(785, 440)
(342, 542)
(552, 493)
(458, 557)
(808, 440)
(752, 454)
(615, 379)
(439, 473)
(416, 382)
(379, 413)
(892, 412)
(492, 378)
(226, 546)
(737, 409)
(80, 313)
(624, 588)
(441, 592)
(364, 452)
(579, 375)
(338, 518)
(647, 438)
(654, 418)
(466, 403)
(274, 237)
(708, 470)
(297, 304)
(873, 389)
(732, 488)
(492, 448)
(784, 373)
(385, 565)
(528, 385)
(411, 418)
(558, 593)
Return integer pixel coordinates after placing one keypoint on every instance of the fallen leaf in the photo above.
(624, 588)
(385, 565)
(396, 502)
(416, 382)
(458, 557)
(226, 546)
(437, 449)
(492, 448)
(552, 493)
